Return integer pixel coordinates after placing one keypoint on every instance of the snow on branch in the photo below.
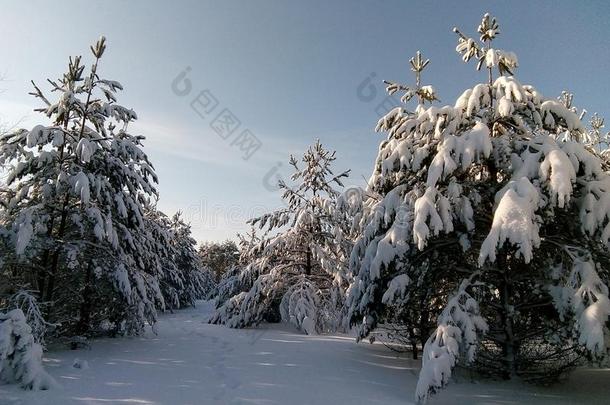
(459, 151)
(299, 306)
(20, 356)
(584, 295)
(456, 336)
(590, 304)
(514, 221)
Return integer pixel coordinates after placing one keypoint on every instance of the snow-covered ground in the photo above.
(191, 362)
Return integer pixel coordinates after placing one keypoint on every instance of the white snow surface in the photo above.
(192, 362)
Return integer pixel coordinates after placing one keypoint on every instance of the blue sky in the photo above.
(289, 71)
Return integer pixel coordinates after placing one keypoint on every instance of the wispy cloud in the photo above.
(200, 143)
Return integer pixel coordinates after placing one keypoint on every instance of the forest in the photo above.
(477, 250)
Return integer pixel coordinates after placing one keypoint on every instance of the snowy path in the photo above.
(191, 362)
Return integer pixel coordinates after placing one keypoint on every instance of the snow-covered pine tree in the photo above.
(239, 277)
(27, 303)
(300, 271)
(182, 278)
(73, 205)
(492, 221)
(192, 281)
(20, 355)
(384, 242)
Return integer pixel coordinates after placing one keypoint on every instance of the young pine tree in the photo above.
(490, 230)
(73, 206)
(299, 273)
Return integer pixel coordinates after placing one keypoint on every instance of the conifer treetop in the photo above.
(469, 48)
(424, 93)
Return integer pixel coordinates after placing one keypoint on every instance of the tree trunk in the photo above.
(42, 275)
(509, 347)
(424, 320)
(55, 260)
(413, 342)
(308, 262)
(45, 265)
(85, 308)
(52, 274)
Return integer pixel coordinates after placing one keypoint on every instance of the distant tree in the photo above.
(219, 257)
(240, 277)
(298, 273)
(185, 278)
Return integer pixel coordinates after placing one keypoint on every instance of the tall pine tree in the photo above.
(73, 207)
